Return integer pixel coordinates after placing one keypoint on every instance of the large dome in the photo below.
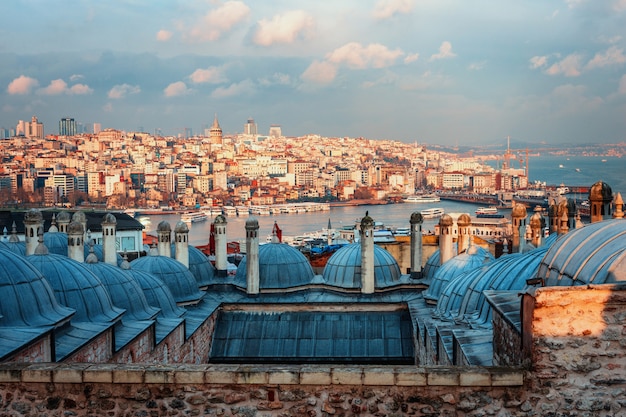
(280, 266)
(199, 265)
(343, 269)
(157, 293)
(179, 279)
(77, 287)
(27, 298)
(433, 263)
(593, 254)
(473, 257)
(56, 242)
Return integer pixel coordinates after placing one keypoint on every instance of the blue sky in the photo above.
(431, 71)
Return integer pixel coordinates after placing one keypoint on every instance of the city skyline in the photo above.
(407, 70)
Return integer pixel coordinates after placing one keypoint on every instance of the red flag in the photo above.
(279, 233)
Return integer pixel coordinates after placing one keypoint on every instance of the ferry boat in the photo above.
(432, 213)
(426, 198)
(193, 217)
(486, 210)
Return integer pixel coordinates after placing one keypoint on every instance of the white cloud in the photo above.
(574, 3)
(619, 5)
(213, 75)
(477, 66)
(163, 35)
(569, 66)
(622, 85)
(278, 78)
(285, 28)
(445, 51)
(538, 61)
(244, 87)
(385, 9)
(320, 72)
(411, 58)
(22, 85)
(218, 21)
(613, 55)
(122, 90)
(75, 77)
(178, 88)
(58, 86)
(108, 108)
(388, 78)
(356, 56)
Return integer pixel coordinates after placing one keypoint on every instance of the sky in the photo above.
(451, 72)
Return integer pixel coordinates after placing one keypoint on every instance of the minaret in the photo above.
(75, 242)
(518, 215)
(109, 223)
(221, 256)
(33, 221)
(252, 256)
(600, 199)
(367, 254)
(445, 239)
(216, 132)
(463, 223)
(181, 243)
(619, 207)
(164, 235)
(416, 244)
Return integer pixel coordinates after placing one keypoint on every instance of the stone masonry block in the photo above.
(128, 375)
(472, 378)
(378, 376)
(68, 375)
(448, 377)
(347, 376)
(158, 376)
(507, 379)
(187, 376)
(315, 376)
(417, 377)
(284, 377)
(252, 376)
(38, 373)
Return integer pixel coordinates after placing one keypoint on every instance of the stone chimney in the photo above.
(619, 207)
(367, 254)
(63, 221)
(81, 218)
(33, 221)
(518, 216)
(600, 199)
(164, 235)
(564, 223)
(445, 239)
(109, 253)
(221, 256)
(553, 216)
(76, 241)
(537, 223)
(181, 243)
(463, 223)
(416, 244)
(252, 256)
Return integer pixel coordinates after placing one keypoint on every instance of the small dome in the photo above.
(199, 265)
(252, 223)
(77, 287)
(79, 217)
(464, 220)
(164, 226)
(220, 219)
(64, 217)
(98, 251)
(75, 228)
(446, 220)
(600, 191)
(33, 216)
(518, 211)
(124, 291)
(157, 293)
(474, 257)
(586, 255)
(56, 242)
(181, 227)
(367, 222)
(416, 217)
(280, 266)
(433, 263)
(343, 269)
(537, 221)
(178, 279)
(109, 218)
(27, 298)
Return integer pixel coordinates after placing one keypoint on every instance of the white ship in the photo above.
(432, 213)
(193, 217)
(427, 198)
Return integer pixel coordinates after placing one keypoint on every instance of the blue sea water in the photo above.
(542, 168)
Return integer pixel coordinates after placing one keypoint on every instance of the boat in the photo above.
(194, 217)
(577, 169)
(425, 198)
(561, 166)
(432, 213)
(486, 210)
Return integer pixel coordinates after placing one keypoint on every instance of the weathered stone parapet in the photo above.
(83, 373)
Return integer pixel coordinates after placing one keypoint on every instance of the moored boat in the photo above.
(426, 198)
(432, 213)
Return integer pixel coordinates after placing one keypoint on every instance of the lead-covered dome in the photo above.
(56, 242)
(178, 279)
(593, 254)
(27, 298)
(280, 266)
(343, 269)
(473, 257)
(75, 286)
(199, 265)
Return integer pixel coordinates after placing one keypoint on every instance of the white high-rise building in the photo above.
(250, 128)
